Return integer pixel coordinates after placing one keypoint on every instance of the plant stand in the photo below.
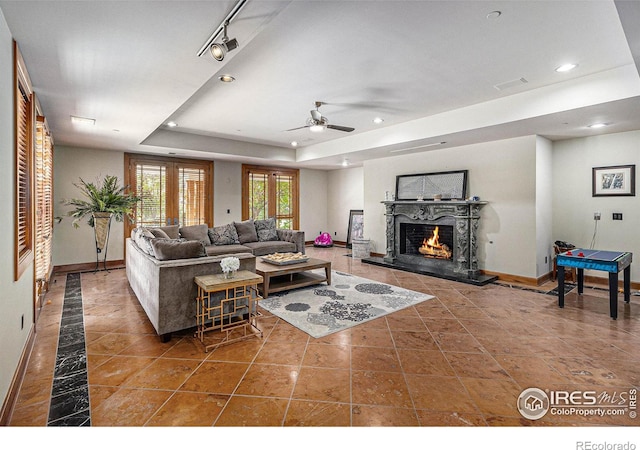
(101, 227)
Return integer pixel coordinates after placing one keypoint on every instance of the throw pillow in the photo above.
(143, 237)
(171, 231)
(266, 229)
(246, 231)
(196, 233)
(166, 249)
(224, 235)
(159, 233)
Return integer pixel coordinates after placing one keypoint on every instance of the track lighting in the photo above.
(218, 51)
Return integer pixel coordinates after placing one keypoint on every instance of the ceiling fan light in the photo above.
(316, 128)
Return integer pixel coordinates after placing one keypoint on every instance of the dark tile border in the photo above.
(70, 391)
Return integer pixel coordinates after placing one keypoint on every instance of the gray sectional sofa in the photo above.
(162, 262)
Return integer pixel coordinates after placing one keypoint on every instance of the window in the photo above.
(43, 206)
(24, 165)
(271, 192)
(173, 191)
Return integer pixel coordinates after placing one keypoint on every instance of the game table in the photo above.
(607, 261)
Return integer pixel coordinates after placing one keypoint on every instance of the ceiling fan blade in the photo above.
(299, 128)
(340, 128)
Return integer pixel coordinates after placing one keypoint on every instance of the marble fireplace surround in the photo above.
(462, 216)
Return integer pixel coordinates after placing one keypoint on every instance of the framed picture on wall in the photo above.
(614, 181)
(356, 226)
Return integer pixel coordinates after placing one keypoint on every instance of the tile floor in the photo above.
(461, 358)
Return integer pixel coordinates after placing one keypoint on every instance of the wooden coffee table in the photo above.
(277, 278)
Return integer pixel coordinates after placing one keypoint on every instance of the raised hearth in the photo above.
(410, 223)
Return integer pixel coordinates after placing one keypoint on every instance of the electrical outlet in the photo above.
(596, 216)
(617, 216)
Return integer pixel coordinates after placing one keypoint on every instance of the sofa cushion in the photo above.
(266, 229)
(216, 250)
(246, 231)
(196, 233)
(170, 230)
(269, 247)
(224, 235)
(165, 249)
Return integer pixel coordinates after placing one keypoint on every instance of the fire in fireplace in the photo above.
(432, 248)
(426, 241)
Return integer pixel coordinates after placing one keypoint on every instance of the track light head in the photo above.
(218, 51)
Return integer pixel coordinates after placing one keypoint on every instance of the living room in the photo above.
(537, 185)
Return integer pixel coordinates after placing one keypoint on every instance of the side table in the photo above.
(236, 310)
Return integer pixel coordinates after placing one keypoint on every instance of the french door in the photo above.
(271, 192)
(172, 191)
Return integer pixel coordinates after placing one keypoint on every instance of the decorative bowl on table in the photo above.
(282, 259)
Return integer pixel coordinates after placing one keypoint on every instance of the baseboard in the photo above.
(88, 267)
(16, 382)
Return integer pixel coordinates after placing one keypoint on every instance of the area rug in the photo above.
(349, 301)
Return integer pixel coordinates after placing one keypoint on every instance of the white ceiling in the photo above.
(429, 68)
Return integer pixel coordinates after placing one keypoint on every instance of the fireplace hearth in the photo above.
(436, 238)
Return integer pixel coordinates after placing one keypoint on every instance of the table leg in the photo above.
(327, 272)
(580, 281)
(561, 287)
(265, 285)
(627, 284)
(613, 295)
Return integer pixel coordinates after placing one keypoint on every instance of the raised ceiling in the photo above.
(435, 71)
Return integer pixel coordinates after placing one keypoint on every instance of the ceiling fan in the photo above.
(317, 122)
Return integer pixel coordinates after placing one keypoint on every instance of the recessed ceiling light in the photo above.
(294, 143)
(566, 67)
(172, 124)
(598, 125)
(378, 120)
(226, 78)
(82, 120)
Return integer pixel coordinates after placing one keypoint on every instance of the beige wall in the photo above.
(345, 192)
(502, 173)
(574, 205)
(544, 207)
(77, 245)
(16, 297)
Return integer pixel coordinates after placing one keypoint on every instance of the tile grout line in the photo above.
(70, 405)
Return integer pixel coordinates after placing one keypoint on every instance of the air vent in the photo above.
(510, 84)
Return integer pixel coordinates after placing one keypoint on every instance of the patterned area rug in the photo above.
(349, 301)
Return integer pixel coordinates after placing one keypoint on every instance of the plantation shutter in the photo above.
(43, 205)
(151, 187)
(24, 167)
(271, 192)
(173, 191)
(192, 195)
(259, 195)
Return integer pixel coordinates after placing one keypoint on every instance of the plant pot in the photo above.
(101, 226)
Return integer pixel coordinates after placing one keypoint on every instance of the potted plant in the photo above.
(103, 201)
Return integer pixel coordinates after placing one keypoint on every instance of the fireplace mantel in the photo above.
(461, 214)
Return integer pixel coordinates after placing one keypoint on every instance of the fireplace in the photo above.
(427, 240)
(435, 238)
